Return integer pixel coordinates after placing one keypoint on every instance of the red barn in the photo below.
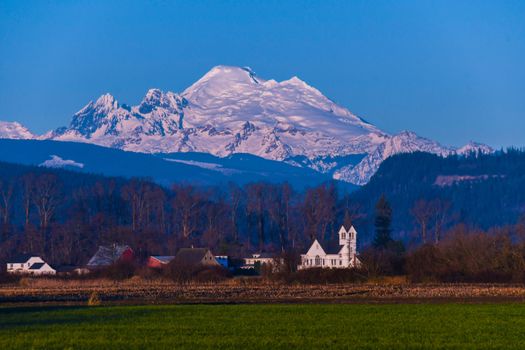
(159, 261)
(108, 255)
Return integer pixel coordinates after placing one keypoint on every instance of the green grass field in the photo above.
(265, 327)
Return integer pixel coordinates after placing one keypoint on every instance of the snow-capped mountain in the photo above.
(14, 130)
(404, 142)
(231, 110)
(475, 147)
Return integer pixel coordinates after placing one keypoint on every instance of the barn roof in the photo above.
(190, 256)
(163, 258)
(107, 255)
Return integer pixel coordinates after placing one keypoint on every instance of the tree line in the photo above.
(64, 215)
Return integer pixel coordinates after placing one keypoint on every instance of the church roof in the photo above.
(333, 250)
(331, 247)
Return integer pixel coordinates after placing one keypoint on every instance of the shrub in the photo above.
(211, 274)
(148, 273)
(119, 271)
(425, 264)
(9, 278)
(468, 257)
(94, 299)
(385, 261)
(182, 273)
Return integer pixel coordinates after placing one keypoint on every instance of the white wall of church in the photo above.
(346, 257)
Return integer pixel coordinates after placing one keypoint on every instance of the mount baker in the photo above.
(232, 110)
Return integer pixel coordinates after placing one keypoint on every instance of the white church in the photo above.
(344, 257)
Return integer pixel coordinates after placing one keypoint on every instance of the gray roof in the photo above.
(190, 256)
(107, 255)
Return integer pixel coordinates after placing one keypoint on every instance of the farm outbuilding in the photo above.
(109, 255)
(195, 257)
(159, 261)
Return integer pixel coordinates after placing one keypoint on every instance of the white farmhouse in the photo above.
(29, 265)
(259, 258)
(344, 257)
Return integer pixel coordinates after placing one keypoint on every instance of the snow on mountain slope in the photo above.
(275, 120)
(231, 110)
(474, 147)
(404, 142)
(14, 130)
(58, 162)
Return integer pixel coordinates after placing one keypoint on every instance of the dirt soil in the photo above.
(138, 291)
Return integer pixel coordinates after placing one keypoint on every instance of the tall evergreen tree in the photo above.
(383, 220)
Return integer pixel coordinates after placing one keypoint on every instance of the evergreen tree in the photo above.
(383, 219)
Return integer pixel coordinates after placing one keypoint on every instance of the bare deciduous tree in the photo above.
(6, 193)
(45, 197)
(422, 212)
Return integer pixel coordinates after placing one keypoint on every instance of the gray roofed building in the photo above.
(194, 257)
(108, 255)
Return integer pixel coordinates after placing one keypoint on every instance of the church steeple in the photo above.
(347, 221)
(344, 236)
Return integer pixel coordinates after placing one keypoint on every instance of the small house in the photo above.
(195, 257)
(258, 260)
(29, 265)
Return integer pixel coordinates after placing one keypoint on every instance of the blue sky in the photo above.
(450, 70)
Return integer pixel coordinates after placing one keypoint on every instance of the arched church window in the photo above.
(317, 260)
(343, 235)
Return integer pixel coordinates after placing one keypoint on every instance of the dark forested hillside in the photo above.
(64, 215)
(430, 193)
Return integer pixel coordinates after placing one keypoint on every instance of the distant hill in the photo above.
(192, 168)
(482, 190)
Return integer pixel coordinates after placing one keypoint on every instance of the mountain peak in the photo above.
(406, 134)
(474, 147)
(156, 98)
(153, 96)
(294, 80)
(14, 130)
(107, 101)
(231, 73)
(222, 78)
